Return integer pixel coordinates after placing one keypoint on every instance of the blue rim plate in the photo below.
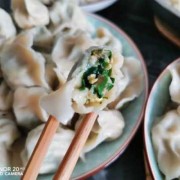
(107, 152)
(158, 100)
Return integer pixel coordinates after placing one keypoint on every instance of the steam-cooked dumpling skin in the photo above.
(80, 98)
(8, 134)
(8, 130)
(56, 151)
(50, 74)
(67, 15)
(174, 88)
(6, 96)
(108, 126)
(47, 2)
(27, 107)
(166, 138)
(7, 28)
(105, 38)
(28, 65)
(67, 51)
(61, 98)
(30, 13)
(132, 82)
(42, 38)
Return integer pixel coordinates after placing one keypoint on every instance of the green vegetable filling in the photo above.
(97, 77)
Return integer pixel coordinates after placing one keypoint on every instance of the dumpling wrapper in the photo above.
(8, 129)
(27, 107)
(7, 28)
(6, 97)
(69, 98)
(28, 65)
(29, 13)
(174, 88)
(59, 104)
(8, 134)
(131, 84)
(106, 38)
(108, 126)
(42, 38)
(166, 141)
(56, 151)
(67, 15)
(5, 160)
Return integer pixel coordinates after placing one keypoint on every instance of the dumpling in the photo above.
(93, 84)
(166, 138)
(28, 65)
(6, 96)
(27, 107)
(8, 129)
(50, 72)
(67, 15)
(131, 83)
(7, 28)
(174, 88)
(47, 2)
(42, 39)
(8, 134)
(106, 38)
(59, 104)
(56, 151)
(29, 13)
(108, 126)
(67, 51)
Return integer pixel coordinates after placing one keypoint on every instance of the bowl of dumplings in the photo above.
(162, 125)
(40, 42)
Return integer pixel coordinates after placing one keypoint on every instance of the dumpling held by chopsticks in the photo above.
(92, 84)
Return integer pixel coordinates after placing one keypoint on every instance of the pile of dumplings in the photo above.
(39, 44)
(175, 4)
(166, 131)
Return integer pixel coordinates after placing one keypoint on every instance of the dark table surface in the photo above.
(135, 17)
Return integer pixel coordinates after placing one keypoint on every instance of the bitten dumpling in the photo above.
(28, 65)
(93, 82)
(174, 88)
(29, 13)
(27, 107)
(56, 151)
(7, 28)
(166, 141)
(108, 126)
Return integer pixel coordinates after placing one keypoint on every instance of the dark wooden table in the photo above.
(135, 17)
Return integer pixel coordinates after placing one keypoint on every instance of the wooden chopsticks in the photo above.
(67, 165)
(40, 150)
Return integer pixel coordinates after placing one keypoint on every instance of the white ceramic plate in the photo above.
(97, 6)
